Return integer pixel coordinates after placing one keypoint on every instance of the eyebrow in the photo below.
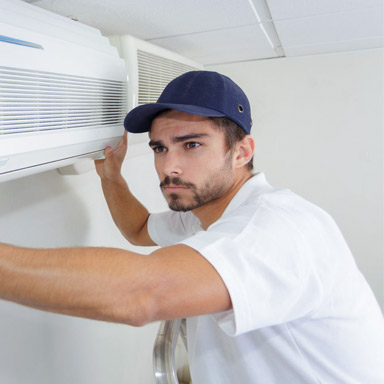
(179, 139)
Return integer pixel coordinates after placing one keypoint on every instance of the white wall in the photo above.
(50, 210)
(318, 125)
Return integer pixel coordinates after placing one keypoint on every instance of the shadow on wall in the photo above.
(42, 210)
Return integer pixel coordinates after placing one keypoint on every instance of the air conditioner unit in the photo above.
(62, 91)
(149, 69)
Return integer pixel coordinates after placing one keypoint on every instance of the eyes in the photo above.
(158, 149)
(190, 145)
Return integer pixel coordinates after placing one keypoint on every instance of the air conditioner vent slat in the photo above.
(155, 73)
(31, 75)
(32, 101)
(15, 90)
(20, 119)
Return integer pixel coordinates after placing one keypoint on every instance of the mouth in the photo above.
(174, 185)
(174, 188)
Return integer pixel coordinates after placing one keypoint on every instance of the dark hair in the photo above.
(232, 133)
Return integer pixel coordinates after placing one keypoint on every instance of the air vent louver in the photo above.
(32, 101)
(155, 73)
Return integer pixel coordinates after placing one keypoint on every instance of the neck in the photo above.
(212, 211)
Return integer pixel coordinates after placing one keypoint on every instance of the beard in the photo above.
(216, 186)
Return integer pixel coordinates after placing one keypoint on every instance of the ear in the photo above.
(244, 151)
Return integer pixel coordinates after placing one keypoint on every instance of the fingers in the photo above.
(99, 163)
(121, 148)
(108, 151)
(110, 166)
(124, 140)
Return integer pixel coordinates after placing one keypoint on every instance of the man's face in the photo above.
(191, 160)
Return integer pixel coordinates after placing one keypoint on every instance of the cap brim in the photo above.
(140, 118)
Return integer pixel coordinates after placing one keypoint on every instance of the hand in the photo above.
(110, 167)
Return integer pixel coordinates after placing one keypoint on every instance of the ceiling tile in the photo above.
(220, 31)
(333, 47)
(148, 19)
(334, 30)
(283, 9)
(228, 45)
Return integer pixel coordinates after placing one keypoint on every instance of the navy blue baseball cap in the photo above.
(203, 93)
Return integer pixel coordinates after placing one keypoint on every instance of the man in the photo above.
(266, 280)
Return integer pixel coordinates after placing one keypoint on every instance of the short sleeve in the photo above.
(265, 266)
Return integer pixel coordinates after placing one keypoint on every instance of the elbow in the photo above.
(138, 311)
(143, 312)
(128, 235)
(135, 238)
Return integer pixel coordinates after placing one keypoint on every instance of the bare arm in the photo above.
(112, 284)
(129, 215)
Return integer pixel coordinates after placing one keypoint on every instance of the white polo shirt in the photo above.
(302, 311)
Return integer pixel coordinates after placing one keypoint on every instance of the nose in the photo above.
(172, 164)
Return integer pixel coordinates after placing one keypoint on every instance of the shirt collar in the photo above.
(255, 186)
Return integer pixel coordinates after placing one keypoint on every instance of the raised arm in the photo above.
(113, 284)
(129, 215)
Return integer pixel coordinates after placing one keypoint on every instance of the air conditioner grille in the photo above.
(155, 73)
(33, 101)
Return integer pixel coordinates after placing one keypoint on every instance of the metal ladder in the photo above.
(164, 350)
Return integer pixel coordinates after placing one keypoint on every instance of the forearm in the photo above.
(129, 215)
(96, 283)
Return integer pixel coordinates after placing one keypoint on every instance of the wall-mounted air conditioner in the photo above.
(62, 91)
(149, 69)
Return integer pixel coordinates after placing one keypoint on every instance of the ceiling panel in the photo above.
(283, 9)
(148, 19)
(330, 27)
(228, 45)
(337, 31)
(333, 47)
(221, 31)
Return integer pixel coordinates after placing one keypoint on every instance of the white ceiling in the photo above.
(221, 31)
